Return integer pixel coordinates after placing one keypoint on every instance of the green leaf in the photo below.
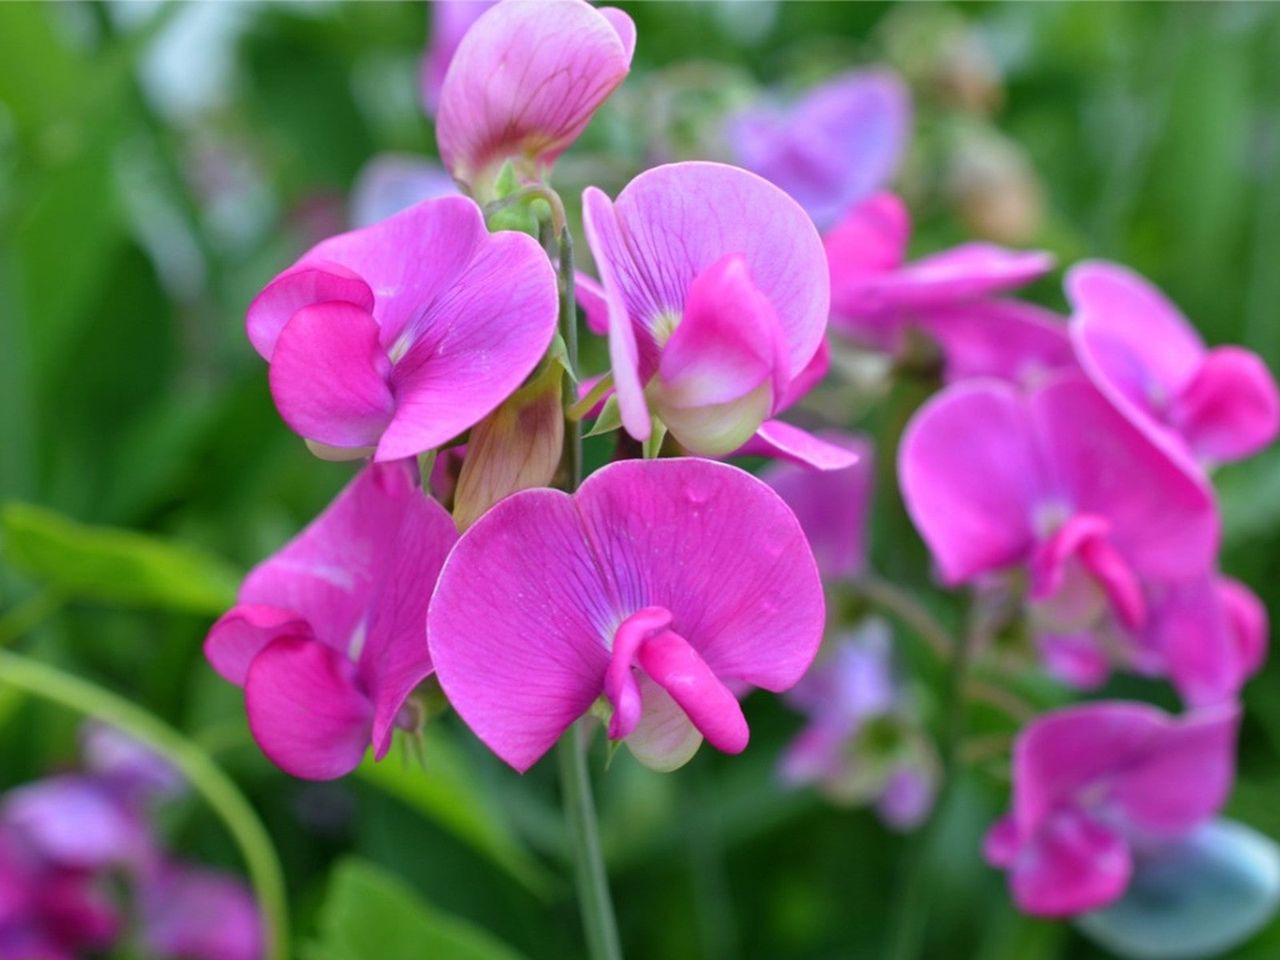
(610, 418)
(449, 794)
(112, 565)
(372, 915)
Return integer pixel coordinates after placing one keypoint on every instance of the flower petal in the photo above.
(971, 476)
(199, 914)
(1006, 339)
(240, 633)
(303, 285)
(305, 711)
(329, 376)
(665, 739)
(1230, 408)
(1074, 864)
(782, 441)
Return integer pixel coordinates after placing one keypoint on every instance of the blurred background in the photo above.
(160, 162)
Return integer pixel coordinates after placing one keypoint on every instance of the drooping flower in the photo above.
(842, 141)
(1220, 404)
(327, 638)
(399, 336)
(863, 742)
(449, 22)
(523, 83)
(1056, 484)
(659, 587)
(831, 505)
(877, 296)
(1092, 782)
(715, 292)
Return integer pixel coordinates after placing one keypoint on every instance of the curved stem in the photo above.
(204, 776)
(594, 902)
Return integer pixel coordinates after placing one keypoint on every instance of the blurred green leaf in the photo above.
(372, 915)
(111, 565)
(447, 793)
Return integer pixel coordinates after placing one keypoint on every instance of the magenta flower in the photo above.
(327, 638)
(450, 20)
(863, 742)
(1056, 483)
(523, 83)
(400, 336)
(1091, 783)
(1220, 404)
(715, 292)
(831, 505)
(876, 296)
(660, 587)
(841, 142)
(198, 914)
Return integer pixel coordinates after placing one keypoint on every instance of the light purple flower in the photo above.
(398, 337)
(128, 767)
(328, 636)
(392, 182)
(660, 587)
(450, 21)
(1220, 404)
(714, 287)
(77, 822)
(1091, 782)
(839, 143)
(1054, 482)
(877, 296)
(523, 83)
(833, 506)
(193, 913)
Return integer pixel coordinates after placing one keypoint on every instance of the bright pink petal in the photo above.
(809, 377)
(240, 633)
(676, 666)
(870, 242)
(971, 477)
(1230, 408)
(1162, 515)
(1083, 540)
(1197, 638)
(833, 506)
(592, 300)
(450, 21)
(1075, 658)
(329, 376)
(524, 82)
(967, 272)
(305, 710)
(301, 286)
(1006, 339)
(473, 347)
(1249, 623)
(783, 441)
(1074, 864)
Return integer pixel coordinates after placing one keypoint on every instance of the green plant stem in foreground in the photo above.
(592, 880)
(204, 776)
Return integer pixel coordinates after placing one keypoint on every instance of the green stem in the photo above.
(569, 330)
(594, 901)
(204, 776)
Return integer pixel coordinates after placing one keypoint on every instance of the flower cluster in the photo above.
(70, 844)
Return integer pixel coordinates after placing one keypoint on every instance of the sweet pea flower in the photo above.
(399, 336)
(658, 589)
(1055, 483)
(715, 293)
(833, 506)
(1091, 783)
(842, 141)
(523, 83)
(198, 914)
(863, 742)
(877, 296)
(1219, 404)
(449, 22)
(327, 638)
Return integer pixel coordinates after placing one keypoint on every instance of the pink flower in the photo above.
(198, 914)
(328, 636)
(400, 336)
(876, 296)
(714, 288)
(1056, 483)
(450, 21)
(524, 82)
(660, 587)
(1092, 782)
(842, 140)
(831, 505)
(1220, 404)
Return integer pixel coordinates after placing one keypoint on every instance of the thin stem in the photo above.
(592, 880)
(569, 330)
(202, 773)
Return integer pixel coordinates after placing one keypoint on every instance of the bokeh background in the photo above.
(159, 163)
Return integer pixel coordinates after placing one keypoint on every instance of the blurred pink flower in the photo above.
(398, 337)
(1220, 404)
(192, 913)
(1055, 482)
(328, 636)
(523, 83)
(714, 289)
(1090, 783)
(450, 20)
(660, 586)
(839, 143)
